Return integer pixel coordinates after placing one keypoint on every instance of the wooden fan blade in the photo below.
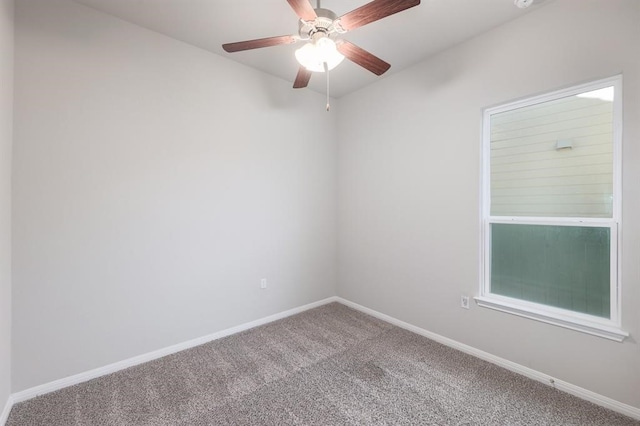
(303, 9)
(302, 79)
(361, 57)
(258, 43)
(373, 11)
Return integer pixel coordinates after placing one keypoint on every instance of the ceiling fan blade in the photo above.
(258, 43)
(303, 9)
(373, 11)
(361, 57)
(302, 79)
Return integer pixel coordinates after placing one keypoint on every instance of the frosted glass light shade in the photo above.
(312, 56)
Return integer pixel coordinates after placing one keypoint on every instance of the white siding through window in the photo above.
(532, 175)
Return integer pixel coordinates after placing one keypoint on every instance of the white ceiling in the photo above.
(402, 39)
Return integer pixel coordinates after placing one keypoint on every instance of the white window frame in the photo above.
(610, 328)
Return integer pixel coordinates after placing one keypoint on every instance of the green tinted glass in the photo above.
(562, 266)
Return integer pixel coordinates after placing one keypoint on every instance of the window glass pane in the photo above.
(562, 266)
(554, 158)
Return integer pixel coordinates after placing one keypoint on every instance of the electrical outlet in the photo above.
(464, 302)
(263, 283)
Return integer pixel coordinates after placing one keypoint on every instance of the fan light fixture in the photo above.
(315, 54)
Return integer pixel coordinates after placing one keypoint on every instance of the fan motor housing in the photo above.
(324, 23)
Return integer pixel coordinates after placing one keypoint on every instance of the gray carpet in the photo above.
(328, 366)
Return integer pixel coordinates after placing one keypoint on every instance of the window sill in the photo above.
(595, 329)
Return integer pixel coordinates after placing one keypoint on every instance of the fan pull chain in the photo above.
(326, 71)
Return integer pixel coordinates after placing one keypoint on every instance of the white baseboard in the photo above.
(150, 356)
(4, 416)
(601, 400)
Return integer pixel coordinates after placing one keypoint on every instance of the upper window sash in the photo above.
(616, 83)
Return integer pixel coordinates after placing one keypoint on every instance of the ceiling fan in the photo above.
(320, 28)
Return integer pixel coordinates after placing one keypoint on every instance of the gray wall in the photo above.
(155, 184)
(409, 172)
(6, 124)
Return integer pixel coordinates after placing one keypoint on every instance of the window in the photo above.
(551, 208)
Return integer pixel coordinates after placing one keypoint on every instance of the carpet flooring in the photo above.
(327, 366)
